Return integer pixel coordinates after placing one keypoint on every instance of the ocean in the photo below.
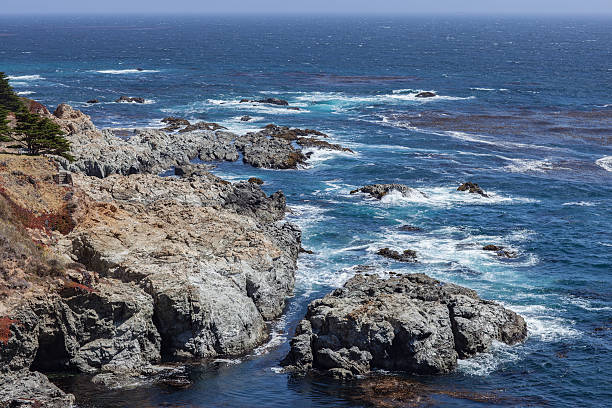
(523, 108)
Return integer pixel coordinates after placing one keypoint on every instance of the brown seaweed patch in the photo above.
(397, 392)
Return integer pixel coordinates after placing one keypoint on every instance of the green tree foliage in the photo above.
(8, 99)
(40, 135)
(3, 125)
(35, 134)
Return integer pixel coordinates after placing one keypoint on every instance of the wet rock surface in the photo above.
(472, 188)
(378, 191)
(130, 99)
(409, 323)
(407, 255)
(425, 94)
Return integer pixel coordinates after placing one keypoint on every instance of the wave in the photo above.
(393, 97)
(23, 93)
(319, 156)
(125, 71)
(489, 89)
(530, 165)
(605, 163)
(446, 197)
(580, 204)
(146, 102)
(484, 364)
(24, 77)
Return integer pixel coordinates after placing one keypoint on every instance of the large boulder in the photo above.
(411, 323)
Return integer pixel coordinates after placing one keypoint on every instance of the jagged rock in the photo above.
(407, 256)
(472, 188)
(499, 250)
(237, 267)
(191, 170)
(130, 99)
(425, 94)
(175, 123)
(74, 121)
(260, 150)
(321, 144)
(271, 101)
(146, 151)
(256, 180)
(101, 153)
(378, 191)
(202, 126)
(411, 323)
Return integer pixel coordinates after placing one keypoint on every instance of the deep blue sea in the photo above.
(524, 108)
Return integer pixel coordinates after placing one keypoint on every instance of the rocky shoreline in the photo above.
(113, 269)
(149, 269)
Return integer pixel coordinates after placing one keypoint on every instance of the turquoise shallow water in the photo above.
(524, 109)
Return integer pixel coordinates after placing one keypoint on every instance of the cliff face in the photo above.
(109, 275)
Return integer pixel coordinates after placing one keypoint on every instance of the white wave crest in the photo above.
(579, 204)
(23, 93)
(485, 363)
(125, 71)
(24, 77)
(318, 156)
(605, 163)
(447, 197)
(146, 102)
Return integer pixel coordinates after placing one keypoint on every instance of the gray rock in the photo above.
(411, 323)
(378, 191)
(130, 99)
(31, 389)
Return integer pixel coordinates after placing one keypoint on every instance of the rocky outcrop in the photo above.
(425, 94)
(261, 150)
(270, 101)
(130, 99)
(411, 323)
(407, 255)
(472, 188)
(378, 191)
(150, 268)
(102, 153)
(499, 250)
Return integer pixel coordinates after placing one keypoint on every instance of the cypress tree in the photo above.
(8, 99)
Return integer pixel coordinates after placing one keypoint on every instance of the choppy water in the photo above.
(524, 109)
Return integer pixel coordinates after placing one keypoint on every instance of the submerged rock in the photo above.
(409, 228)
(407, 256)
(245, 118)
(271, 101)
(410, 323)
(425, 94)
(499, 250)
(472, 188)
(92, 101)
(378, 191)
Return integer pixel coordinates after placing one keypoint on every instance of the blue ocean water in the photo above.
(524, 108)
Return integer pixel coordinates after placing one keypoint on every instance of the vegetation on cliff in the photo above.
(34, 133)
